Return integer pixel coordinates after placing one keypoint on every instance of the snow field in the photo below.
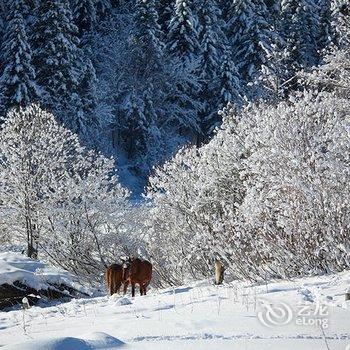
(199, 315)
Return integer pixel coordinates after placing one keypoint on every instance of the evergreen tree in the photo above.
(84, 15)
(146, 66)
(325, 32)
(87, 118)
(57, 59)
(183, 48)
(182, 39)
(273, 7)
(251, 37)
(147, 36)
(230, 83)
(18, 84)
(103, 8)
(301, 27)
(212, 40)
(165, 11)
(134, 126)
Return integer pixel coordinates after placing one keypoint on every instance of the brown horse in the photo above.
(139, 272)
(114, 277)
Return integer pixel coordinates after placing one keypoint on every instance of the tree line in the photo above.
(141, 78)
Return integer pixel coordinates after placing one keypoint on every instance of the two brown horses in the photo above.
(133, 271)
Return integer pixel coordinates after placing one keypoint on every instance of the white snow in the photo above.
(96, 340)
(196, 316)
(35, 274)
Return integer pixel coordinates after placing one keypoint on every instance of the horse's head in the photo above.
(126, 261)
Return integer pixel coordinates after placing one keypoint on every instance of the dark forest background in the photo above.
(137, 79)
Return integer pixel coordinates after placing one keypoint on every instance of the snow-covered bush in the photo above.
(298, 184)
(269, 195)
(56, 196)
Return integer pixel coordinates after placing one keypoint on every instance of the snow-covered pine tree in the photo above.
(85, 17)
(103, 8)
(183, 48)
(147, 44)
(165, 11)
(87, 120)
(300, 32)
(251, 38)
(183, 38)
(17, 82)
(212, 41)
(154, 136)
(325, 31)
(133, 126)
(273, 8)
(146, 66)
(57, 59)
(230, 88)
(84, 13)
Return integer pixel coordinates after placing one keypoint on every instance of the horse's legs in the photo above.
(126, 284)
(145, 285)
(117, 288)
(141, 289)
(132, 289)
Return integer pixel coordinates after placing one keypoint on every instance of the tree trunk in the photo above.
(31, 251)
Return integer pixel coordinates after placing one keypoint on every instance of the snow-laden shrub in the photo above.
(269, 195)
(57, 197)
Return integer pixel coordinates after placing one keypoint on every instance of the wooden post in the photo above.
(347, 295)
(219, 272)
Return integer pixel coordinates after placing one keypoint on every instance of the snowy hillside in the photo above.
(201, 316)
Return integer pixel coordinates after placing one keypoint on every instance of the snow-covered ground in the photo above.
(278, 316)
(35, 274)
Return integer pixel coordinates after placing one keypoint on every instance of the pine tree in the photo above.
(103, 8)
(88, 100)
(165, 11)
(231, 90)
(134, 126)
(182, 39)
(147, 35)
(183, 48)
(301, 23)
(18, 84)
(251, 37)
(84, 13)
(57, 59)
(146, 66)
(212, 40)
(325, 32)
